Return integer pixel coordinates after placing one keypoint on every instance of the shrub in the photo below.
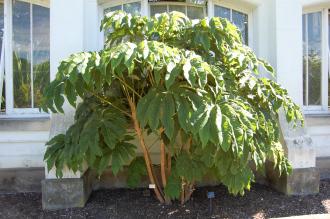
(193, 85)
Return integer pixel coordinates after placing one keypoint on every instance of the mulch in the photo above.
(260, 202)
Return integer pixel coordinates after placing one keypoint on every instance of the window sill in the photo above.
(316, 113)
(25, 116)
(10, 123)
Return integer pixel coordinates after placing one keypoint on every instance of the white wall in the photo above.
(74, 28)
(22, 149)
(66, 30)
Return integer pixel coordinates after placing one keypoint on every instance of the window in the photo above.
(133, 7)
(312, 58)
(27, 62)
(193, 9)
(238, 18)
(316, 60)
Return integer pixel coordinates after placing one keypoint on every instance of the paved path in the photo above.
(312, 216)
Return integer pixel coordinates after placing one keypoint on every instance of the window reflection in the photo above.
(179, 8)
(41, 37)
(238, 18)
(312, 43)
(133, 8)
(241, 21)
(222, 12)
(193, 12)
(21, 54)
(157, 9)
(30, 53)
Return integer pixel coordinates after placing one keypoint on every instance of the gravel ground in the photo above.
(260, 202)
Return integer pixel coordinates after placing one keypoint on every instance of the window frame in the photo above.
(240, 7)
(168, 3)
(10, 110)
(324, 107)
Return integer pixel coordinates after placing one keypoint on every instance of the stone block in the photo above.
(67, 193)
(303, 181)
(323, 165)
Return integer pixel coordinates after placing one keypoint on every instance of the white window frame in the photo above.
(324, 107)
(240, 7)
(12, 112)
(179, 4)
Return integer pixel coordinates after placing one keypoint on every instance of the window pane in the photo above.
(21, 54)
(314, 58)
(221, 12)
(41, 70)
(115, 8)
(199, 2)
(156, 9)
(241, 21)
(304, 61)
(179, 8)
(195, 12)
(2, 92)
(133, 8)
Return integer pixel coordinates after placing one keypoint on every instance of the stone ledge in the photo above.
(24, 124)
(17, 180)
(66, 193)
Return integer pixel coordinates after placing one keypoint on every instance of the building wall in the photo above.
(75, 27)
(22, 142)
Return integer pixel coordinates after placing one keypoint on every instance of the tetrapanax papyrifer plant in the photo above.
(193, 85)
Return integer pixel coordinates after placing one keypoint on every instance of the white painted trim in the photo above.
(144, 8)
(210, 8)
(325, 55)
(101, 33)
(25, 116)
(8, 56)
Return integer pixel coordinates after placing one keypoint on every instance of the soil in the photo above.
(260, 202)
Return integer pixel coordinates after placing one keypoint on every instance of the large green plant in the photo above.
(193, 86)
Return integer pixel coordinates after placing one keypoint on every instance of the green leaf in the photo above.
(167, 117)
(187, 72)
(227, 139)
(143, 105)
(136, 170)
(153, 112)
(173, 187)
(173, 72)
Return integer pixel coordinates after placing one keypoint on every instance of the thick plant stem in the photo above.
(145, 153)
(183, 185)
(162, 162)
(169, 163)
(188, 193)
(163, 168)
